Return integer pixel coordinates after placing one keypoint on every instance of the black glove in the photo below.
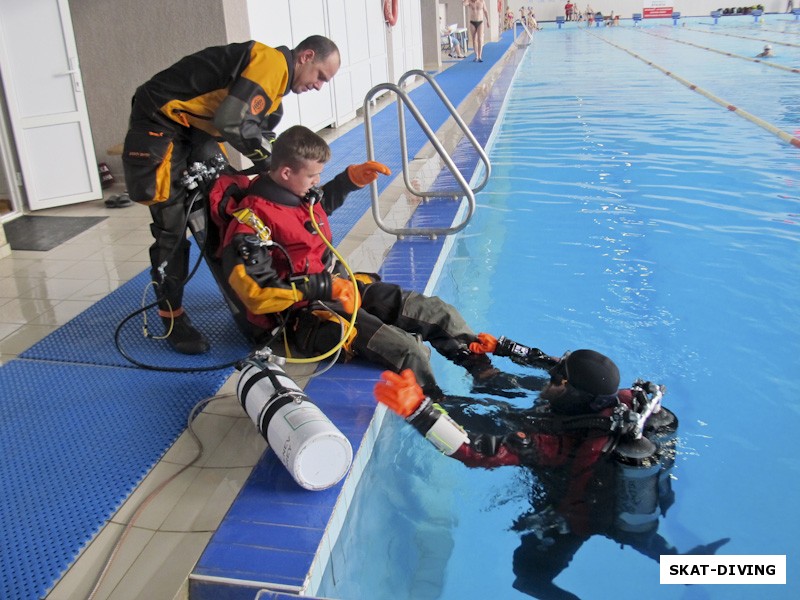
(261, 159)
(314, 287)
(523, 355)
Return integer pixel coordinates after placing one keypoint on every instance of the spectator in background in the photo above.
(478, 18)
(509, 18)
(455, 46)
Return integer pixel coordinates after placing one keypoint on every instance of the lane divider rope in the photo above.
(786, 137)
(766, 63)
(747, 37)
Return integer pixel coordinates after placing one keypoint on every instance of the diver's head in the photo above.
(767, 47)
(583, 381)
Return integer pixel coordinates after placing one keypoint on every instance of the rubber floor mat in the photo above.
(41, 234)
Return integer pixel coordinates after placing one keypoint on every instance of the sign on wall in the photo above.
(657, 9)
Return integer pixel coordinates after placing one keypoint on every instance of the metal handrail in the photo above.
(525, 28)
(463, 187)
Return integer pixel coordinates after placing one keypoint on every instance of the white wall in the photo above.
(547, 10)
(404, 41)
(123, 43)
(371, 51)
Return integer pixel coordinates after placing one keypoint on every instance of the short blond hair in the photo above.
(298, 144)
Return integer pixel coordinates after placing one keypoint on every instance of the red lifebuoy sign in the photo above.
(390, 11)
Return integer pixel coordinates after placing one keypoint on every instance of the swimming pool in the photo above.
(629, 214)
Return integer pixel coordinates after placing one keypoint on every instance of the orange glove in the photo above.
(400, 392)
(345, 292)
(486, 343)
(367, 172)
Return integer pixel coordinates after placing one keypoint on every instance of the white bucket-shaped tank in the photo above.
(311, 447)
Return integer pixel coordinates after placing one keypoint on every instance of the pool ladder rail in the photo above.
(519, 40)
(463, 189)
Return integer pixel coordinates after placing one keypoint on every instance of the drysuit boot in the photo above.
(184, 338)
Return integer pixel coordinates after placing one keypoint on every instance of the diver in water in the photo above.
(601, 456)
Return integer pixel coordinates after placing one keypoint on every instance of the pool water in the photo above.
(628, 214)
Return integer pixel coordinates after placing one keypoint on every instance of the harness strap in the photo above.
(617, 423)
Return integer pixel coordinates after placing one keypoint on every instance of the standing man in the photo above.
(478, 19)
(226, 93)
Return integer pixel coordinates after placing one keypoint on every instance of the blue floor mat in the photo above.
(75, 441)
(89, 337)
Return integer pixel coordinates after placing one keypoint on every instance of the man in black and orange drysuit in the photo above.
(226, 93)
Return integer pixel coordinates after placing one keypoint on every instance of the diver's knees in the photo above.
(400, 350)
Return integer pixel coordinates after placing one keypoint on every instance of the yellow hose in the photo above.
(352, 323)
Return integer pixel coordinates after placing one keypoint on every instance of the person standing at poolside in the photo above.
(478, 19)
(226, 93)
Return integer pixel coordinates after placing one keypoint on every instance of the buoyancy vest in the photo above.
(286, 215)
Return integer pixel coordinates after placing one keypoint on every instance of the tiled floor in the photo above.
(40, 291)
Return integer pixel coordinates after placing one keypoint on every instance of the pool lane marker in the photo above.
(766, 63)
(786, 137)
(746, 37)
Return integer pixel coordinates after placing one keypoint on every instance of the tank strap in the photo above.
(617, 423)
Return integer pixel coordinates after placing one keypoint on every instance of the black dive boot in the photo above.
(183, 337)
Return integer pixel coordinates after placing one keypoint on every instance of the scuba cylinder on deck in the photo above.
(644, 463)
(313, 450)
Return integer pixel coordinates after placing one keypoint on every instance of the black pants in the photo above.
(155, 156)
(392, 325)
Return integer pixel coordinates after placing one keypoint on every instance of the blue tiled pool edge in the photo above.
(271, 509)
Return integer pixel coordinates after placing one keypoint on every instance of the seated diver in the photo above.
(289, 280)
(579, 440)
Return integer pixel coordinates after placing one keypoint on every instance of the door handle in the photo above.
(75, 73)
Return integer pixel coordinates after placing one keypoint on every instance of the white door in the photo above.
(46, 103)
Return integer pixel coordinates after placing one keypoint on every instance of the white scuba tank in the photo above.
(311, 447)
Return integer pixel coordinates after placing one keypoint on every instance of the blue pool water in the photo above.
(628, 214)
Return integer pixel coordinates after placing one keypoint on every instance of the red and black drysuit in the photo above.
(226, 93)
(391, 322)
(575, 483)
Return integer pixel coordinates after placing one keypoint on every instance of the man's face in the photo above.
(552, 391)
(299, 181)
(310, 74)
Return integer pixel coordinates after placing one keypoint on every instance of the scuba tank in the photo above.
(643, 464)
(316, 454)
(637, 485)
(662, 429)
